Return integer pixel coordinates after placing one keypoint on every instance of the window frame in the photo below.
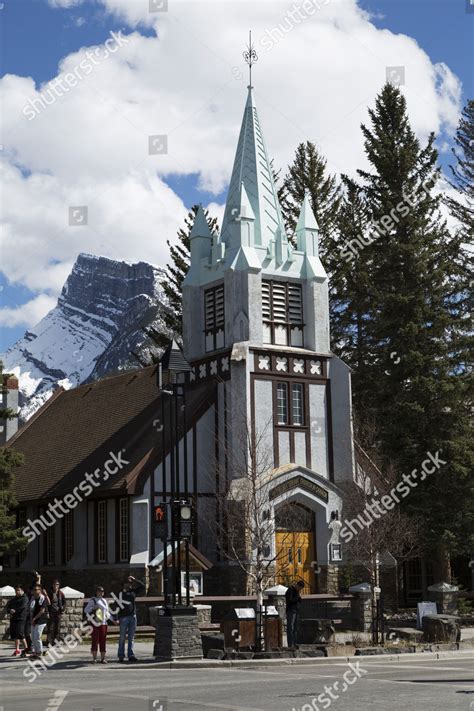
(123, 531)
(68, 537)
(290, 404)
(49, 549)
(101, 523)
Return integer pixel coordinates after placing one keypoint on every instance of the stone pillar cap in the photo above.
(443, 587)
(70, 593)
(276, 590)
(361, 587)
(7, 591)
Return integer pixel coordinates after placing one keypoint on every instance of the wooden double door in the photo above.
(295, 548)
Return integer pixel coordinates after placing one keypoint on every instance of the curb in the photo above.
(253, 663)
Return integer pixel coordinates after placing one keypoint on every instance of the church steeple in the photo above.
(253, 170)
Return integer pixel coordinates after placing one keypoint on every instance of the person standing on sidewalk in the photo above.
(57, 604)
(17, 607)
(97, 611)
(127, 617)
(39, 618)
(293, 600)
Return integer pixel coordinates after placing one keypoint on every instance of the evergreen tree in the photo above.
(416, 385)
(11, 539)
(462, 172)
(308, 173)
(177, 269)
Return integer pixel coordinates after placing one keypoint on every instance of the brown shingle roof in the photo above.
(75, 431)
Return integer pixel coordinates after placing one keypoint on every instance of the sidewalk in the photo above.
(80, 657)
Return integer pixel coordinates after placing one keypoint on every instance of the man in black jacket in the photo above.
(127, 617)
(293, 599)
(18, 608)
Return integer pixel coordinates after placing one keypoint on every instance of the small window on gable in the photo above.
(282, 312)
(214, 318)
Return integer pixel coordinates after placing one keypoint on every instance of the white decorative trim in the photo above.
(264, 362)
(225, 364)
(213, 366)
(202, 370)
(298, 366)
(282, 364)
(316, 367)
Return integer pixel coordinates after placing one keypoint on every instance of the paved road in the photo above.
(412, 685)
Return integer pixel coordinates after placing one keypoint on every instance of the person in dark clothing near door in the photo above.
(293, 600)
(127, 617)
(57, 604)
(17, 607)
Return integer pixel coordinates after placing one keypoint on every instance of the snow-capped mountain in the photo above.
(97, 324)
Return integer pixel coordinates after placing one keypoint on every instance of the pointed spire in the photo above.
(200, 227)
(252, 168)
(307, 229)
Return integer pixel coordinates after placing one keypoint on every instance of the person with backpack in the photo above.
(57, 604)
(39, 617)
(293, 600)
(17, 608)
(127, 617)
(98, 613)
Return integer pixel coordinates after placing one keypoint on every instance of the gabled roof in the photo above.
(77, 430)
(252, 168)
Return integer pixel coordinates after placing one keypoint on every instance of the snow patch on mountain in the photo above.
(96, 325)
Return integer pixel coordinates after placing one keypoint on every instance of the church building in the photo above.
(255, 366)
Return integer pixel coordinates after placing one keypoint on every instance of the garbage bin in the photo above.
(272, 626)
(238, 627)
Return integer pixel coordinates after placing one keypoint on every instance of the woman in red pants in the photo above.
(98, 614)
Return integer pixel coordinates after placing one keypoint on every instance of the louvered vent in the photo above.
(266, 302)
(295, 304)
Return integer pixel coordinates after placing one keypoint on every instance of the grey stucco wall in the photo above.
(341, 402)
(319, 429)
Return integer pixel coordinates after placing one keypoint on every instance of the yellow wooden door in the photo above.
(295, 555)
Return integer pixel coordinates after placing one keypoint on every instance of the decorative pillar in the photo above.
(361, 606)
(177, 634)
(6, 593)
(446, 598)
(73, 613)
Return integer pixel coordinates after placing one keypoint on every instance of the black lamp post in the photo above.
(177, 524)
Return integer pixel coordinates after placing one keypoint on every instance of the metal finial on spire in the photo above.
(250, 56)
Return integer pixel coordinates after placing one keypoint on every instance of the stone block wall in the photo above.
(176, 637)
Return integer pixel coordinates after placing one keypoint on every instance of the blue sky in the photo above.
(35, 37)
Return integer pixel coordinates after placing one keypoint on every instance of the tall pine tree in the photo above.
(415, 388)
(178, 267)
(308, 173)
